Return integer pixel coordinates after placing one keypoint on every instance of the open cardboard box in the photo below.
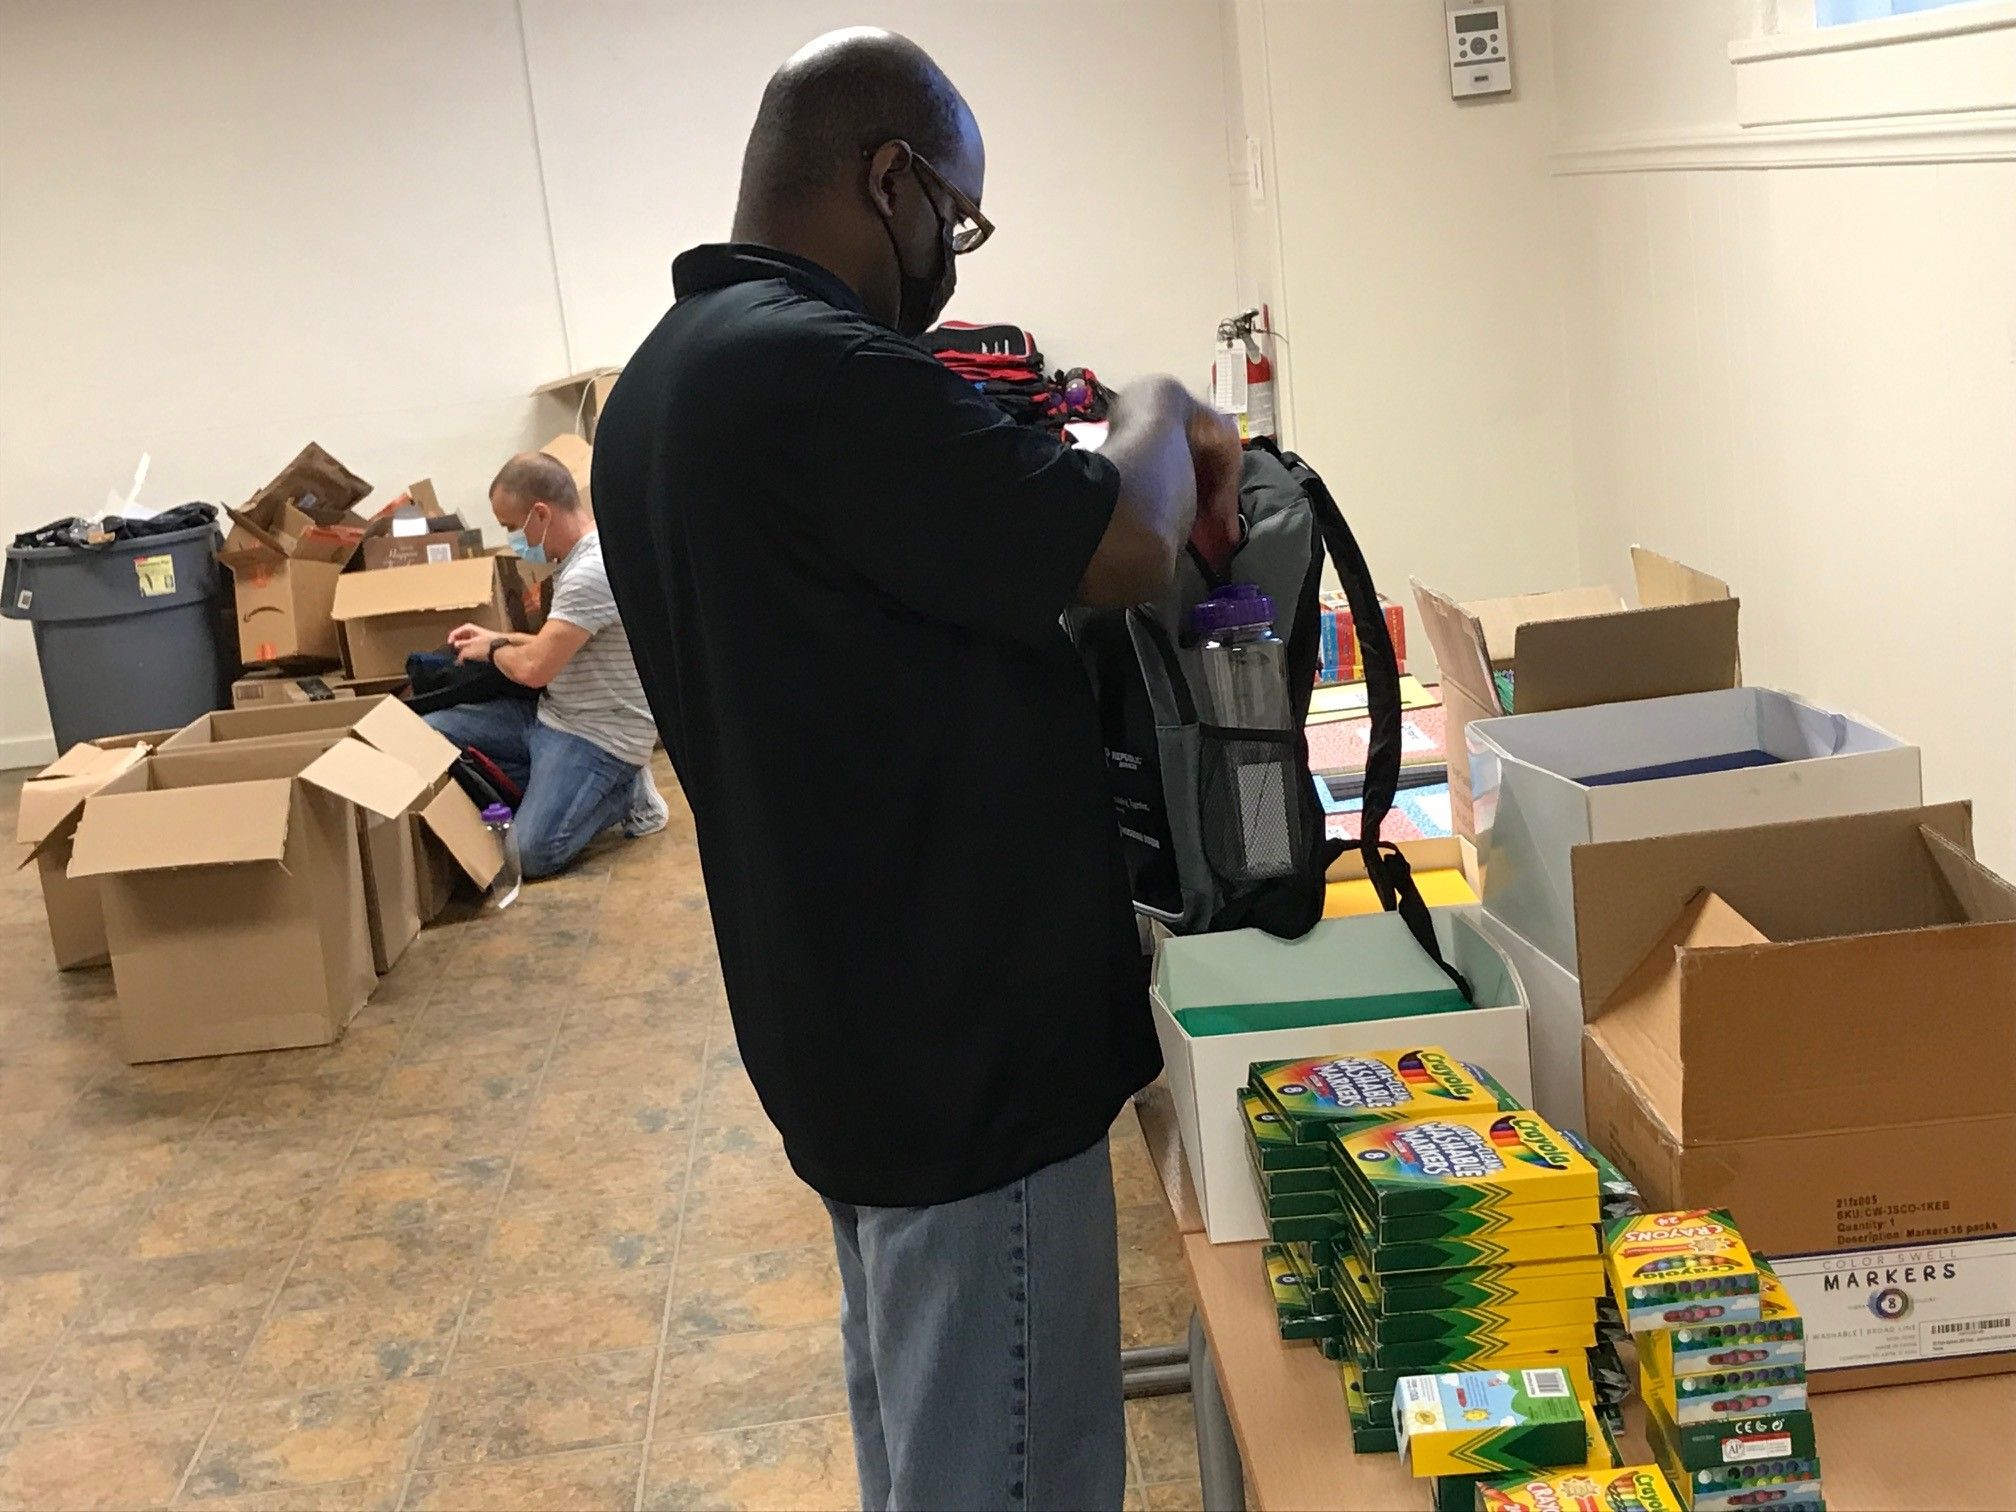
(233, 892)
(583, 394)
(1814, 1026)
(410, 859)
(1574, 647)
(286, 546)
(386, 616)
(52, 801)
(1536, 802)
(1349, 984)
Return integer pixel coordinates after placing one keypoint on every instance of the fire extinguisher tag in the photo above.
(1228, 377)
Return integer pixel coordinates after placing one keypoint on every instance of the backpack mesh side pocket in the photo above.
(1252, 801)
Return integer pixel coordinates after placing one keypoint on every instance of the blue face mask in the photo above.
(524, 548)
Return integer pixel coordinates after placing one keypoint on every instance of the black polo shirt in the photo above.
(841, 569)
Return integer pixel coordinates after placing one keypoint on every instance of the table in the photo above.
(1276, 1411)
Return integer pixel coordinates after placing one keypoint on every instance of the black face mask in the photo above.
(921, 300)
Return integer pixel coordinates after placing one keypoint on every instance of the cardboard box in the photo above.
(386, 616)
(583, 393)
(45, 822)
(283, 610)
(286, 545)
(277, 687)
(577, 456)
(446, 540)
(233, 893)
(1535, 802)
(1335, 971)
(409, 859)
(1576, 647)
(1811, 1025)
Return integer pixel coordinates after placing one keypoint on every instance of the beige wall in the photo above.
(234, 226)
(1418, 289)
(1804, 379)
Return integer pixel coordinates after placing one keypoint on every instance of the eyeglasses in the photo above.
(970, 229)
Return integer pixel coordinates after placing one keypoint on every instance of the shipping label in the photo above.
(1919, 1302)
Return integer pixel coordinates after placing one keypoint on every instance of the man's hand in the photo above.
(462, 635)
(476, 650)
(1216, 455)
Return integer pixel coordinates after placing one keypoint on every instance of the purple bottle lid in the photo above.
(1236, 606)
(496, 813)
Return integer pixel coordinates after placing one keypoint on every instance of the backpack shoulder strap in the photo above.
(1392, 878)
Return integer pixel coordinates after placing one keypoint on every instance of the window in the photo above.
(1847, 12)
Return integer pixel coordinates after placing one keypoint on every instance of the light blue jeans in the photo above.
(574, 789)
(982, 1345)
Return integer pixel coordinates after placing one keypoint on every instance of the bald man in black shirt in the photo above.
(842, 570)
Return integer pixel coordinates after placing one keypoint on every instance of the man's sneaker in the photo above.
(648, 810)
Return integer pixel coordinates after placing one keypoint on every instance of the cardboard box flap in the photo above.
(1502, 619)
(464, 584)
(229, 824)
(54, 794)
(1634, 654)
(1814, 879)
(575, 380)
(262, 541)
(1662, 581)
(369, 778)
(1978, 894)
(396, 730)
(455, 821)
(314, 483)
(574, 454)
(1458, 644)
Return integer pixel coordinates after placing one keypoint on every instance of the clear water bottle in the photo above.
(1245, 663)
(1249, 819)
(510, 876)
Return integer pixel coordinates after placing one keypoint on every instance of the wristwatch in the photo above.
(498, 643)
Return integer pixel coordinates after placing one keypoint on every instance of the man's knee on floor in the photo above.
(542, 856)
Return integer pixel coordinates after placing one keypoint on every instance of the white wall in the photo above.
(1803, 379)
(1417, 289)
(232, 226)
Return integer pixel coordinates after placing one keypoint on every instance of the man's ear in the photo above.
(885, 165)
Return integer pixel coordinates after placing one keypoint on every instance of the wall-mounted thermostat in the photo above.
(1480, 50)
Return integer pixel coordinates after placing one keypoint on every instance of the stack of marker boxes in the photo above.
(1392, 1279)
(1722, 1363)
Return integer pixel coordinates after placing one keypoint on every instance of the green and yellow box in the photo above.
(1372, 1430)
(1434, 1289)
(1464, 1162)
(1631, 1488)
(1382, 1379)
(1472, 1421)
(1318, 1094)
(1777, 1336)
(1573, 1319)
(1516, 1249)
(1743, 1441)
(1295, 1312)
(1770, 1485)
(1680, 1270)
(1481, 1223)
(1272, 1142)
(1724, 1394)
(1458, 1493)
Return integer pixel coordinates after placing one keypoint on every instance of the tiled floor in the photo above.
(522, 1239)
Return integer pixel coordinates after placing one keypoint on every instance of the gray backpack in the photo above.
(1174, 776)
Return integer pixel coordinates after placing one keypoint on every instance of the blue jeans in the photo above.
(574, 789)
(982, 1345)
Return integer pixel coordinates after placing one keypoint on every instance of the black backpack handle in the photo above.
(1391, 876)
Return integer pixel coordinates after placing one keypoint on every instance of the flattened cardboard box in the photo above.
(409, 860)
(1812, 1025)
(388, 615)
(233, 893)
(315, 687)
(52, 801)
(1574, 647)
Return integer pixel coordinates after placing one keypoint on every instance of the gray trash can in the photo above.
(126, 633)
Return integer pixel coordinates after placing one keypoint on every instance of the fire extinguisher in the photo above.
(1242, 376)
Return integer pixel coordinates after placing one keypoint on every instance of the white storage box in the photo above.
(1537, 800)
(1553, 997)
(1326, 984)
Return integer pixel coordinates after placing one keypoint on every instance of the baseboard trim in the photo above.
(30, 751)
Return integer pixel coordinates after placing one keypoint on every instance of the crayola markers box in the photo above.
(1480, 1420)
(1272, 1142)
(1294, 1312)
(1744, 1441)
(1383, 1379)
(1315, 1095)
(1458, 1223)
(1777, 1336)
(1511, 1251)
(1372, 1429)
(1573, 1317)
(1677, 1270)
(1458, 1493)
(1634, 1488)
(1467, 1162)
(1434, 1290)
